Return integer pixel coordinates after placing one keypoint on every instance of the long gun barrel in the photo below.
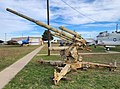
(21, 15)
(58, 36)
(45, 25)
(61, 36)
(69, 31)
(37, 22)
(32, 20)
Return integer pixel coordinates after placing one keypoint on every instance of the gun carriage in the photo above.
(72, 61)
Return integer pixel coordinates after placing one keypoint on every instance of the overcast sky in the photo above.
(87, 17)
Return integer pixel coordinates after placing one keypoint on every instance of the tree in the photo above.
(45, 36)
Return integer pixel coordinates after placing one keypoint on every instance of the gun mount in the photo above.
(70, 54)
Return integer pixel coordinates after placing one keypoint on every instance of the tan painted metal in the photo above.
(58, 48)
(70, 54)
(70, 31)
(63, 72)
(47, 26)
(61, 36)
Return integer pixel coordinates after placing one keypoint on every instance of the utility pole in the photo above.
(22, 36)
(5, 36)
(48, 20)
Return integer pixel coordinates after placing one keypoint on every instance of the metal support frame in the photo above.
(48, 22)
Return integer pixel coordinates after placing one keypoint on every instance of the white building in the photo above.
(33, 40)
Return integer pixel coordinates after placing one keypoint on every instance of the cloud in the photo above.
(12, 23)
(88, 34)
(100, 25)
(99, 10)
(60, 14)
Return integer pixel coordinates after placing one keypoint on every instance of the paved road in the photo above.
(7, 74)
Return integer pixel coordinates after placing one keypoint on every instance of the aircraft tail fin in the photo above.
(117, 27)
(28, 38)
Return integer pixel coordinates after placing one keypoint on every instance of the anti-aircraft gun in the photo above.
(71, 58)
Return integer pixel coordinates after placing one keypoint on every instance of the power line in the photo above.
(78, 11)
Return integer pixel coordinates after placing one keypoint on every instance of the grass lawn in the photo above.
(97, 49)
(10, 54)
(45, 49)
(117, 48)
(36, 76)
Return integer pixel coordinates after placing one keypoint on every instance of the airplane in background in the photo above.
(109, 40)
(24, 42)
